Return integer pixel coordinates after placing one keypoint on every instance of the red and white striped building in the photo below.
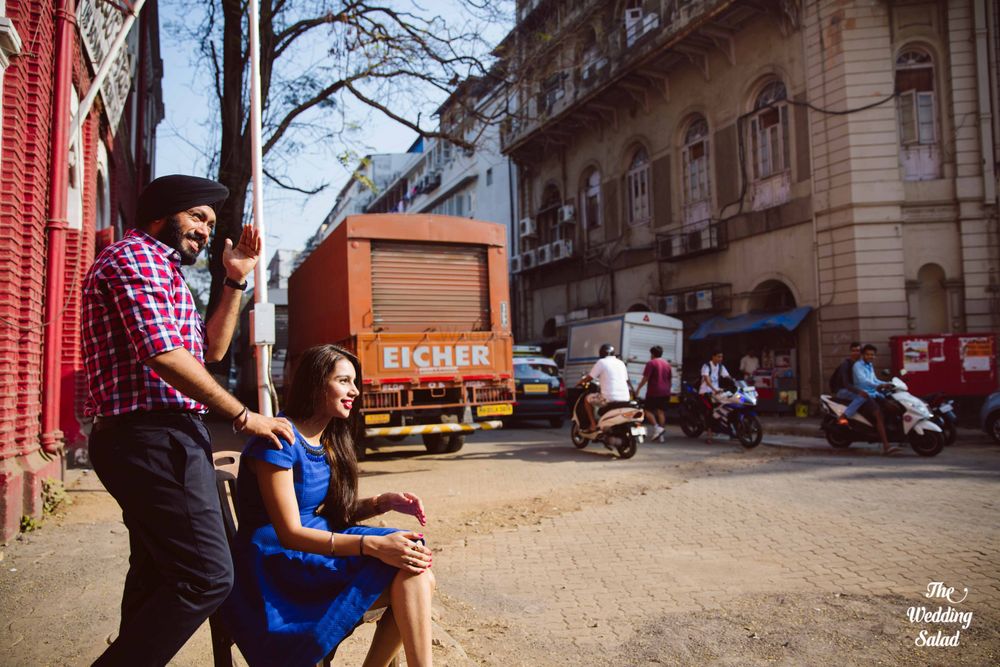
(61, 198)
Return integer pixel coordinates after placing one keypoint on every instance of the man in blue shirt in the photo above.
(865, 380)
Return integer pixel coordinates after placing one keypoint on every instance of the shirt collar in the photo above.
(168, 253)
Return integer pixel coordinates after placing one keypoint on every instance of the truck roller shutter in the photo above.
(429, 287)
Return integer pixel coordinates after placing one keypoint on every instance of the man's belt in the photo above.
(104, 422)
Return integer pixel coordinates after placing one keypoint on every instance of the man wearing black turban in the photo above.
(145, 346)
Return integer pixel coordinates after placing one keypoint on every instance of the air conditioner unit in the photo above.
(665, 247)
(543, 255)
(528, 260)
(567, 213)
(667, 304)
(526, 228)
(698, 300)
(562, 249)
(633, 16)
(515, 264)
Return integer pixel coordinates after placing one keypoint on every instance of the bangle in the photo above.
(242, 418)
(361, 546)
(331, 545)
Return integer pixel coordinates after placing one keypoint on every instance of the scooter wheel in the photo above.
(950, 433)
(691, 424)
(574, 434)
(929, 443)
(627, 449)
(835, 435)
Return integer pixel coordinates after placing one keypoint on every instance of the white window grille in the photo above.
(694, 155)
(769, 149)
(591, 205)
(637, 184)
(918, 136)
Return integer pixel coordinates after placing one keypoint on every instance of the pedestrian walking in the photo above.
(658, 374)
(145, 346)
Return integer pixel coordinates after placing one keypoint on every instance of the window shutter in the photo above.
(662, 212)
(612, 213)
(727, 165)
(907, 118)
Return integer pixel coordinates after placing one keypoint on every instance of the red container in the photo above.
(954, 364)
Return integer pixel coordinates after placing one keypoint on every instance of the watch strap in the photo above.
(229, 282)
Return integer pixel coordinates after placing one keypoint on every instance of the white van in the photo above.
(632, 334)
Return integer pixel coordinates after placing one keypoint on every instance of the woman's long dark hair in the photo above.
(307, 391)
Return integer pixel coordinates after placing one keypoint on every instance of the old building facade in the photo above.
(45, 252)
(823, 171)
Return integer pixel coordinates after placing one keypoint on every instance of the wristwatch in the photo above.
(229, 282)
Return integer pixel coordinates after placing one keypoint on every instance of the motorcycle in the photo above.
(733, 414)
(944, 416)
(914, 424)
(619, 424)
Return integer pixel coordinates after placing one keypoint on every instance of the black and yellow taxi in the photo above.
(538, 389)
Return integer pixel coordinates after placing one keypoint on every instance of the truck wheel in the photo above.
(556, 422)
(395, 438)
(435, 443)
(455, 443)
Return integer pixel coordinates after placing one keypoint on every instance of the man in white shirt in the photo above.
(710, 375)
(612, 374)
(749, 365)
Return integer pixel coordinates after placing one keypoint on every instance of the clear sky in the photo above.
(185, 137)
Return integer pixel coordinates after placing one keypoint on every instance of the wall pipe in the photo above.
(56, 226)
(985, 106)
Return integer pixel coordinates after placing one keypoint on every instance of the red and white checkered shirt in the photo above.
(136, 305)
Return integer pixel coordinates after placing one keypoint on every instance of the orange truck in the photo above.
(423, 301)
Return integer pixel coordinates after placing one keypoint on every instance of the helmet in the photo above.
(607, 350)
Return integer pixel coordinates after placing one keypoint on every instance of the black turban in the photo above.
(172, 194)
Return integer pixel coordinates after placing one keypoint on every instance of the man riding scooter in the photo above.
(612, 375)
(865, 380)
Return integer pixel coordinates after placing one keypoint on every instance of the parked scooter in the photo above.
(944, 416)
(916, 424)
(619, 424)
(733, 413)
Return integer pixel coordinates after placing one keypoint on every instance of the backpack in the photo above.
(837, 380)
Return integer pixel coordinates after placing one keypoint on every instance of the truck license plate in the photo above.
(536, 389)
(382, 418)
(494, 410)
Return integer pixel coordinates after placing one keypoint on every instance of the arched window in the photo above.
(918, 135)
(637, 185)
(769, 148)
(694, 156)
(590, 199)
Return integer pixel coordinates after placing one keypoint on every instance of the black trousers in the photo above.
(159, 469)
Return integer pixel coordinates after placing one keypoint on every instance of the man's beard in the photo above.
(172, 236)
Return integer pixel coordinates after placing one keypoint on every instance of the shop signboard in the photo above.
(100, 22)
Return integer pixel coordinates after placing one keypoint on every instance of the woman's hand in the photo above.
(401, 550)
(404, 503)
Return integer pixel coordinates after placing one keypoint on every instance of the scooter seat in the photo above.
(614, 405)
(840, 401)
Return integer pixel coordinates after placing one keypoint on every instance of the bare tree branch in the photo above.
(288, 186)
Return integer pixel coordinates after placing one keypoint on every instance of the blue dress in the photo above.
(291, 607)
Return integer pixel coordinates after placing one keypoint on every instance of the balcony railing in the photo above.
(690, 241)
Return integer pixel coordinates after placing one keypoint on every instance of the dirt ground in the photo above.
(59, 586)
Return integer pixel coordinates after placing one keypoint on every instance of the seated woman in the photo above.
(305, 571)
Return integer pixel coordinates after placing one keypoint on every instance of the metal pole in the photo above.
(103, 69)
(260, 271)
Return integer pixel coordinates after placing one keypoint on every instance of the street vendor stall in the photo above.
(773, 337)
